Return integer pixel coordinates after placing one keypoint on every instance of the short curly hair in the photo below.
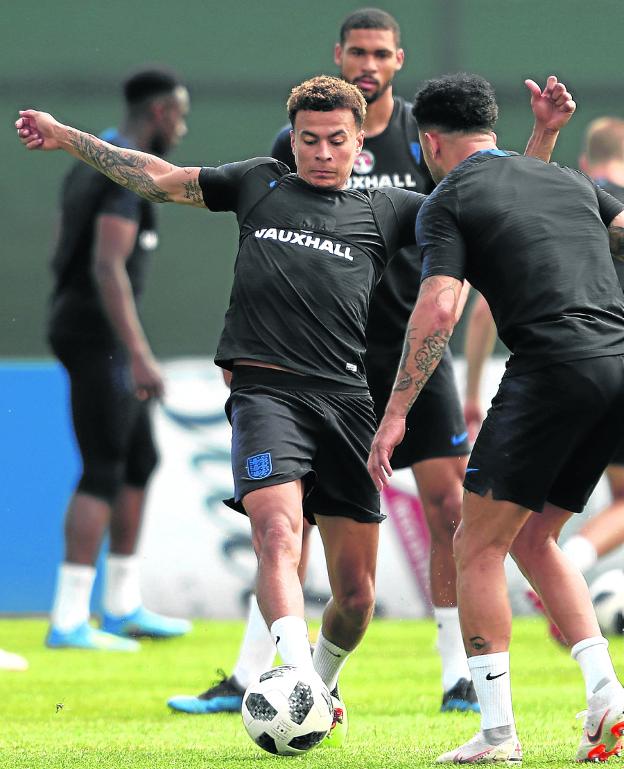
(461, 102)
(324, 94)
(370, 18)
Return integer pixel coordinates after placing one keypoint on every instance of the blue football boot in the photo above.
(143, 623)
(86, 637)
(461, 697)
(226, 696)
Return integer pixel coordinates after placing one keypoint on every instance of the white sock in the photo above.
(490, 674)
(328, 660)
(581, 552)
(592, 654)
(122, 586)
(450, 646)
(257, 650)
(74, 584)
(290, 635)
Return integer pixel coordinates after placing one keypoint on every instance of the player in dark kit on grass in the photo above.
(310, 253)
(106, 238)
(436, 445)
(535, 240)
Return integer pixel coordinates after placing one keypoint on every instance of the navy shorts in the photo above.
(550, 433)
(435, 425)
(286, 427)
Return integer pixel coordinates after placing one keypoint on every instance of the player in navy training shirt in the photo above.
(536, 240)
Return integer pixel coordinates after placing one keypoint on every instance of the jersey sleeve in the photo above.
(439, 236)
(222, 185)
(119, 201)
(397, 219)
(282, 150)
(609, 206)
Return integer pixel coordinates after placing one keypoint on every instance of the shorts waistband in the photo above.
(287, 380)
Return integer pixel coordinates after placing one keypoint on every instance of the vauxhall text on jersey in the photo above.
(393, 158)
(307, 239)
(307, 263)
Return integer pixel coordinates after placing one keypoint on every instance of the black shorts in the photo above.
(549, 434)
(113, 428)
(435, 425)
(286, 427)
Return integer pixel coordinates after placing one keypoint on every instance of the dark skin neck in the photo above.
(139, 132)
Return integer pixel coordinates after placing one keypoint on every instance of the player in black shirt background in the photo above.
(102, 255)
(436, 445)
(533, 238)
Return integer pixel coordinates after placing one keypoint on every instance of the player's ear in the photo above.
(494, 137)
(337, 54)
(359, 142)
(432, 142)
(583, 164)
(400, 58)
(292, 141)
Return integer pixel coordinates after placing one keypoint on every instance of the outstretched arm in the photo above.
(553, 107)
(147, 175)
(428, 331)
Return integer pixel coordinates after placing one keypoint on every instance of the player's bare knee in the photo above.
(472, 548)
(443, 516)
(277, 541)
(356, 602)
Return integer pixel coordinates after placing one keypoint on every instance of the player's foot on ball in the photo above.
(11, 661)
(340, 725)
(143, 623)
(462, 697)
(226, 696)
(479, 751)
(539, 607)
(86, 637)
(604, 724)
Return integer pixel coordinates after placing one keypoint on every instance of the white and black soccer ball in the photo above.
(607, 594)
(287, 710)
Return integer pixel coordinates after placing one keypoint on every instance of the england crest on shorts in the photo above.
(259, 466)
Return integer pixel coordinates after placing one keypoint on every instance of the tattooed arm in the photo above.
(428, 331)
(147, 175)
(616, 237)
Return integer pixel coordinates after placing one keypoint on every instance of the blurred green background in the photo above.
(240, 60)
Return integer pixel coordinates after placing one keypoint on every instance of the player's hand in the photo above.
(38, 130)
(148, 381)
(389, 434)
(473, 416)
(553, 106)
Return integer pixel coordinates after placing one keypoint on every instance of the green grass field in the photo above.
(113, 713)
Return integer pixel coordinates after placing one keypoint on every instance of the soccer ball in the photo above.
(287, 710)
(607, 594)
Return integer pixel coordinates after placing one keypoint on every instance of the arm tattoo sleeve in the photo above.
(426, 358)
(126, 167)
(616, 242)
(193, 192)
